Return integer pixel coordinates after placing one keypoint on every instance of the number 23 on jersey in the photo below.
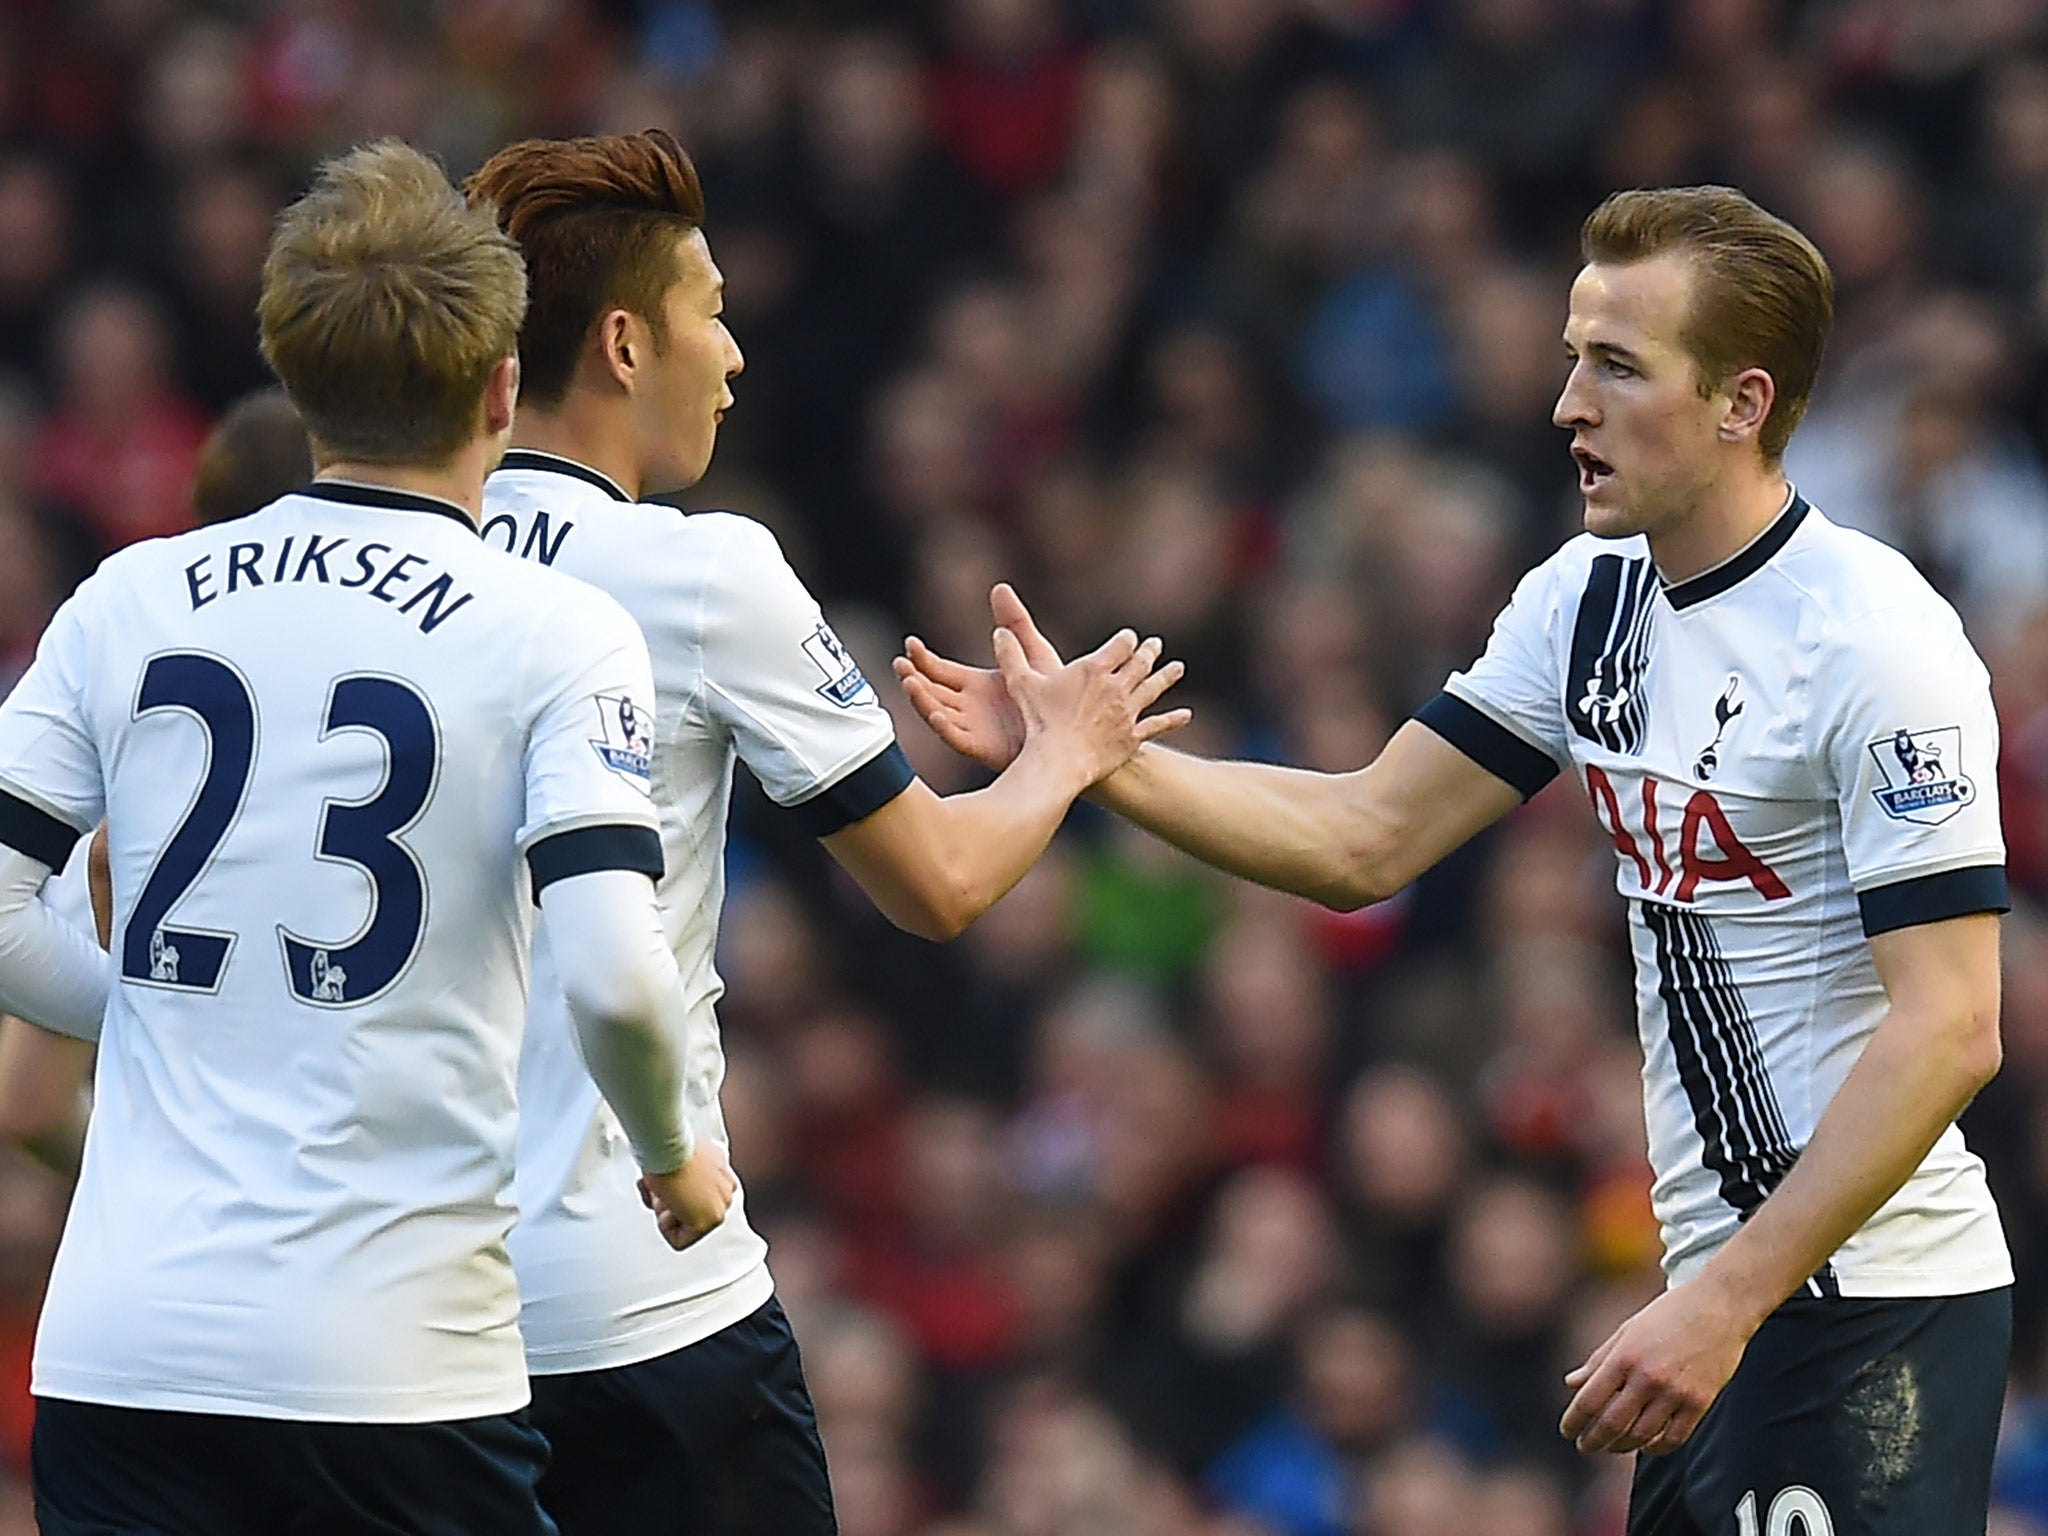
(365, 833)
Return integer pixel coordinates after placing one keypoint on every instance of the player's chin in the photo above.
(1607, 517)
(699, 463)
(689, 466)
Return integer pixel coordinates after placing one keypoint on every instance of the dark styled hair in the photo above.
(597, 219)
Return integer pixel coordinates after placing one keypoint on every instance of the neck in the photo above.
(591, 435)
(1728, 516)
(460, 479)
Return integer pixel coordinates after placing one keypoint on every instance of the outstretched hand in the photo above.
(988, 713)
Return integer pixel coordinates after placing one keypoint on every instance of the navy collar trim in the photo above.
(357, 494)
(534, 458)
(1743, 564)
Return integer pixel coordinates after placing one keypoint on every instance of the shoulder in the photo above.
(1855, 583)
(1875, 627)
(1575, 556)
(556, 602)
(133, 573)
(1566, 572)
(736, 557)
(743, 540)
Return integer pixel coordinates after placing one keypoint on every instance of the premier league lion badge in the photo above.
(628, 735)
(1923, 775)
(844, 682)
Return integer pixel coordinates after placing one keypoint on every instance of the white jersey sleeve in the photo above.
(1505, 711)
(51, 790)
(801, 713)
(1905, 737)
(52, 972)
(588, 751)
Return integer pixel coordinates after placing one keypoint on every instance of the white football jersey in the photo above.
(745, 667)
(323, 737)
(1792, 752)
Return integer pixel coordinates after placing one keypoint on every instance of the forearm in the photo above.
(51, 973)
(1288, 828)
(42, 1100)
(991, 837)
(1912, 1081)
(625, 1001)
(932, 866)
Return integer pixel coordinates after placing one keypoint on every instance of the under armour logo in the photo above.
(1726, 708)
(1604, 707)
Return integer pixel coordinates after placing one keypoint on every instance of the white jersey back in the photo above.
(745, 667)
(322, 737)
(1792, 752)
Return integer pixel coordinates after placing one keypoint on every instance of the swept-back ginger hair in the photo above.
(1762, 294)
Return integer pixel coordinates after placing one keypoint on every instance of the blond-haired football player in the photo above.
(341, 748)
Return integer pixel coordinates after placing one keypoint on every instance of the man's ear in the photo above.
(617, 347)
(501, 395)
(1751, 394)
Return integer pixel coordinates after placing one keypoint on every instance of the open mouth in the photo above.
(1594, 471)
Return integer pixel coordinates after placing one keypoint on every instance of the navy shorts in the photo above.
(1845, 1418)
(718, 1438)
(102, 1471)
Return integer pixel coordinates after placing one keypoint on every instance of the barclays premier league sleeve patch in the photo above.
(628, 736)
(1923, 775)
(844, 682)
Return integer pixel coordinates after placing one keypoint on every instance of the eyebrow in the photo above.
(1607, 349)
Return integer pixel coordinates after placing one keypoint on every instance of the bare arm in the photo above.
(1935, 1049)
(933, 865)
(42, 1082)
(1342, 839)
(1648, 1385)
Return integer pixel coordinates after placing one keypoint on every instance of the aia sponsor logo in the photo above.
(1704, 848)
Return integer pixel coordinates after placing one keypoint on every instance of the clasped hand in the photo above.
(1098, 700)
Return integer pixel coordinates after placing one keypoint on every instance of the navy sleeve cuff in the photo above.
(1932, 898)
(34, 831)
(586, 850)
(1489, 743)
(857, 796)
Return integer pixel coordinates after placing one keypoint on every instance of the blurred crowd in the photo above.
(1157, 1206)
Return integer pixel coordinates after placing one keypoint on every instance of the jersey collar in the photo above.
(359, 494)
(1745, 562)
(534, 458)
